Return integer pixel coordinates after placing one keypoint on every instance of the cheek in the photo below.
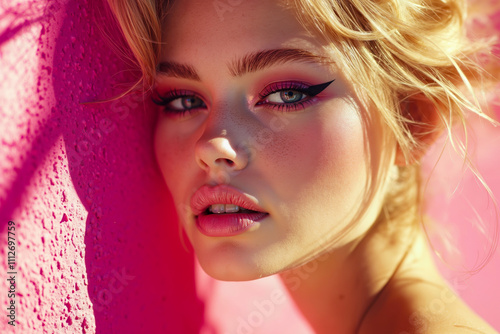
(320, 161)
(320, 179)
(171, 155)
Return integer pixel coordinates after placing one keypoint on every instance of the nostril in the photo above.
(229, 162)
(203, 164)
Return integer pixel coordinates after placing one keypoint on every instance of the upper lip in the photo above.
(206, 196)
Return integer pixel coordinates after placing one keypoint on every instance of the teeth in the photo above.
(223, 208)
(232, 208)
(217, 208)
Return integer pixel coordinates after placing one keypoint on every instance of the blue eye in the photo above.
(179, 102)
(286, 96)
(186, 102)
(282, 96)
(290, 95)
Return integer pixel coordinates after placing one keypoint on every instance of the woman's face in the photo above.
(251, 117)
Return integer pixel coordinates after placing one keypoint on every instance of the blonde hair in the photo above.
(396, 53)
(401, 52)
(141, 24)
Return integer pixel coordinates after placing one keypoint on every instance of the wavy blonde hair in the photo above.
(398, 53)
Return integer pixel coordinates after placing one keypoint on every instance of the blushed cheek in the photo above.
(326, 151)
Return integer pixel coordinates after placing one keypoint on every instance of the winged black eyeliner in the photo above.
(316, 89)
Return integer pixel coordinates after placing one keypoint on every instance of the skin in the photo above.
(308, 168)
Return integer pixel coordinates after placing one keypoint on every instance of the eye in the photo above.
(185, 103)
(179, 102)
(286, 96)
(290, 95)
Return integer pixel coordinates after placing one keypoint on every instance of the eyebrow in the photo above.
(173, 69)
(249, 63)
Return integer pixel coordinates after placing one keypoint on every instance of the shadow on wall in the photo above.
(140, 278)
(16, 19)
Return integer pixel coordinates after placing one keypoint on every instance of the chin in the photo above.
(230, 274)
(229, 265)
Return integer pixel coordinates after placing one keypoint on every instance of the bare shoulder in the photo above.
(459, 322)
(465, 325)
(422, 308)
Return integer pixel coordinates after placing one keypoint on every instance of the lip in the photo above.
(229, 224)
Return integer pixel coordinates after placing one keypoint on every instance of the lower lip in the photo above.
(228, 224)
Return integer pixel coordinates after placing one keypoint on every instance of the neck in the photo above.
(336, 291)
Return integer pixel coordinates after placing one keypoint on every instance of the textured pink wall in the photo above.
(98, 247)
(91, 212)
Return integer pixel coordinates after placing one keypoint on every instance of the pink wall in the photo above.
(80, 183)
(98, 247)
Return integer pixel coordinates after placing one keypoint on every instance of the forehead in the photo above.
(222, 30)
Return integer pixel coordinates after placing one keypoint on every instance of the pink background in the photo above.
(98, 247)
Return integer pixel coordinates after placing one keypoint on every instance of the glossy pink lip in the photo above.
(227, 224)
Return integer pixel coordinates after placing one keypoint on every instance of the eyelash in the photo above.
(309, 91)
(277, 87)
(165, 100)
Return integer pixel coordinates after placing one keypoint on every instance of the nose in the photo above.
(218, 154)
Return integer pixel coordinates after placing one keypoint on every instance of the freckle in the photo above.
(341, 297)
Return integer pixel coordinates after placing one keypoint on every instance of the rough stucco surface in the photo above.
(81, 184)
(98, 248)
